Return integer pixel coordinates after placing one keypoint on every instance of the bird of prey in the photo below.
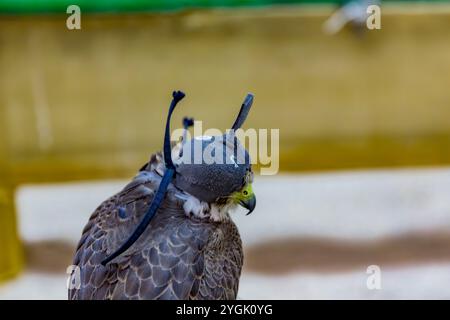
(168, 233)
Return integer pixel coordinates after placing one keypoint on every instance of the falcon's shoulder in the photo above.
(166, 262)
(175, 258)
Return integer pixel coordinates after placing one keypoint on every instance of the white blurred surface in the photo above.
(426, 282)
(346, 205)
(354, 206)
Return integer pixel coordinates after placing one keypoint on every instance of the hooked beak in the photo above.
(249, 204)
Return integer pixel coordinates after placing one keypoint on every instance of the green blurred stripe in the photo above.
(59, 6)
(122, 6)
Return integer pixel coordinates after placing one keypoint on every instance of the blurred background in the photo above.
(364, 119)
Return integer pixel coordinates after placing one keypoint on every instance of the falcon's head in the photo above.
(214, 172)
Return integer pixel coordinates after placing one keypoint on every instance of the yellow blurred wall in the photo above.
(91, 103)
(99, 95)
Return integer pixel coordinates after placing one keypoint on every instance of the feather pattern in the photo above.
(177, 257)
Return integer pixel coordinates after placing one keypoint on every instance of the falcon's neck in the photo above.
(202, 210)
(193, 206)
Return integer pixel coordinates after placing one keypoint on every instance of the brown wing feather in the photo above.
(176, 257)
(223, 263)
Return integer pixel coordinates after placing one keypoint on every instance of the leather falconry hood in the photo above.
(208, 168)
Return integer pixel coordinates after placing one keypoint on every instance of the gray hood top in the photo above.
(217, 166)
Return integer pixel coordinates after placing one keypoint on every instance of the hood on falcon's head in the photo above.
(210, 168)
(207, 181)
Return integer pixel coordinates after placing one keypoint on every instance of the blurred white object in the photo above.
(354, 11)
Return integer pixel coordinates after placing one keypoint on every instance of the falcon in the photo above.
(168, 234)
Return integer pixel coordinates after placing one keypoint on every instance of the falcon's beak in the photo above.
(249, 204)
